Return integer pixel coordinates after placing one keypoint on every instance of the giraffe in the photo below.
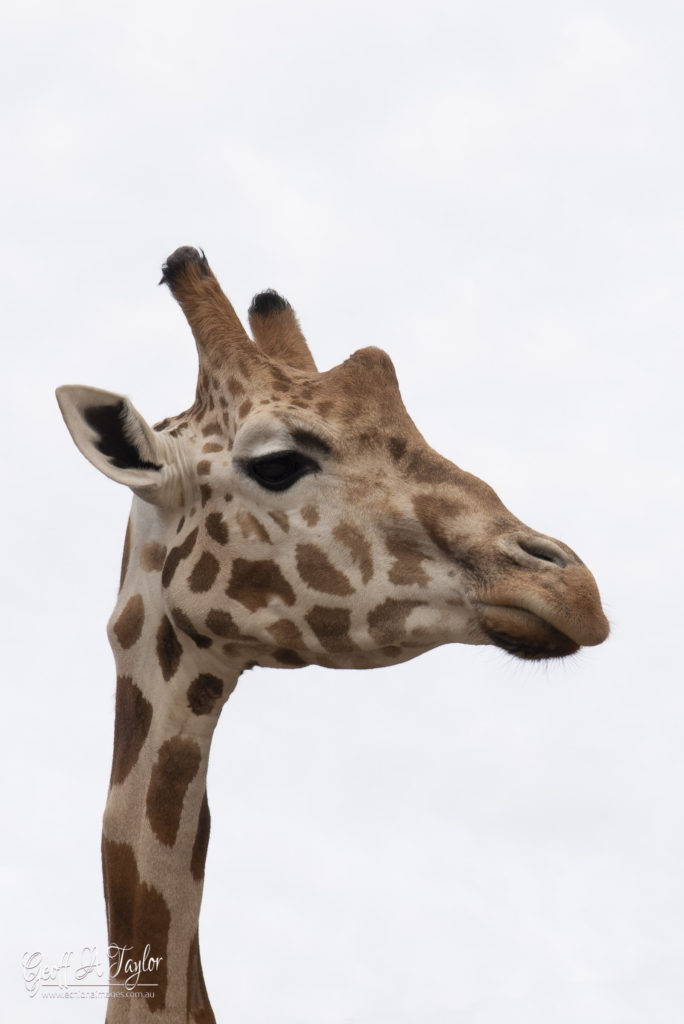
(289, 517)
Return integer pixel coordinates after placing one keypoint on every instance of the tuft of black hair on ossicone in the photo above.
(268, 303)
(180, 259)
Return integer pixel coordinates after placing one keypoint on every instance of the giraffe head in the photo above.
(292, 517)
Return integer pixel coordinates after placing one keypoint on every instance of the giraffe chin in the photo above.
(525, 635)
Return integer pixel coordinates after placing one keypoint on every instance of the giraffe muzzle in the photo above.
(547, 604)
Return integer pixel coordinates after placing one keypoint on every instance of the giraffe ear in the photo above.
(111, 433)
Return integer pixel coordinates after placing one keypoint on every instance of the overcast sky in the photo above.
(493, 193)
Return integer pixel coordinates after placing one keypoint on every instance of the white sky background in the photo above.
(493, 193)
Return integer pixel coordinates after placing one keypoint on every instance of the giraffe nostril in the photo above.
(530, 549)
(544, 550)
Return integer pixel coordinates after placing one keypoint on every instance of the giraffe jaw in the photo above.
(524, 634)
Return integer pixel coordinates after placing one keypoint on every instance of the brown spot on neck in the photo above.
(176, 555)
(201, 844)
(217, 528)
(204, 573)
(221, 624)
(286, 634)
(128, 626)
(198, 1007)
(331, 628)
(169, 649)
(185, 625)
(288, 658)
(137, 915)
(131, 725)
(204, 693)
(152, 556)
(177, 764)
(211, 428)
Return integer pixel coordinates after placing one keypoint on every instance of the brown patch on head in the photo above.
(131, 726)
(309, 439)
(216, 527)
(152, 556)
(428, 467)
(436, 516)
(310, 515)
(281, 519)
(407, 558)
(128, 626)
(204, 573)
(397, 447)
(177, 764)
(370, 439)
(176, 555)
(387, 621)
(331, 627)
(125, 559)
(199, 848)
(324, 409)
(203, 693)
(251, 527)
(210, 447)
(137, 916)
(318, 572)
(358, 548)
(169, 649)
(245, 408)
(186, 626)
(204, 467)
(253, 584)
(205, 493)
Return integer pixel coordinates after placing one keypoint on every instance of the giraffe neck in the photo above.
(156, 822)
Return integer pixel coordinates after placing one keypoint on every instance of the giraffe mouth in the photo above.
(524, 634)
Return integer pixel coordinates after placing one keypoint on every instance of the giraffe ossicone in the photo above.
(289, 517)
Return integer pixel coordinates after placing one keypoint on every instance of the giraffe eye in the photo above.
(279, 471)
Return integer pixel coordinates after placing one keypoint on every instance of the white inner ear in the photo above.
(136, 430)
(75, 400)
